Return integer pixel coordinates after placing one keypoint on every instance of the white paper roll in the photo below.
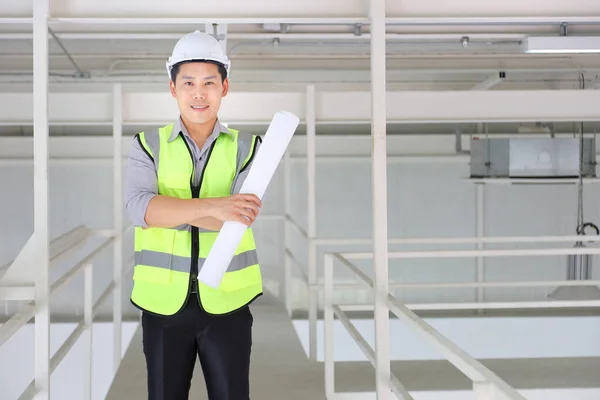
(276, 140)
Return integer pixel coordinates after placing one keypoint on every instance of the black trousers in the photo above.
(222, 344)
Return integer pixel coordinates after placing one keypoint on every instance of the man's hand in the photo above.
(242, 208)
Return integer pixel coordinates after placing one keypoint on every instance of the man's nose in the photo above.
(199, 94)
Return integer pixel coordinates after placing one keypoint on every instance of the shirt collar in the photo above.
(178, 127)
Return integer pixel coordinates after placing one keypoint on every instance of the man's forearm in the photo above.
(168, 212)
(209, 223)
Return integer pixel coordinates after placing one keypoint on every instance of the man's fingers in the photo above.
(243, 220)
(252, 198)
(249, 206)
(248, 214)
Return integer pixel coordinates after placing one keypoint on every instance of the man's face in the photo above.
(199, 91)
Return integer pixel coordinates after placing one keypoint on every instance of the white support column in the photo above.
(480, 221)
(379, 182)
(117, 222)
(312, 217)
(287, 208)
(87, 333)
(329, 327)
(41, 10)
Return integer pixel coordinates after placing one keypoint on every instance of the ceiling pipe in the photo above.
(269, 36)
(80, 73)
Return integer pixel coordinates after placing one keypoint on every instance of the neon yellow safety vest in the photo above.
(166, 260)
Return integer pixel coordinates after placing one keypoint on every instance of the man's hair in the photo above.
(175, 69)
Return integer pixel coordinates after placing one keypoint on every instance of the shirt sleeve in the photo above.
(141, 183)
(239, 180)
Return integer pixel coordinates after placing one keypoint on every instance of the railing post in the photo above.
(117, 223)
(480, 228)
(329, 328)
(87, 334)
(311, 141)
(313, 303)
(287, 207)
(287, 270)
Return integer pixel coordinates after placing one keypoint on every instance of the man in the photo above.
(182, 183)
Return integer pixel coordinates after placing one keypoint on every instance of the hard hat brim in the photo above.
(170, 64)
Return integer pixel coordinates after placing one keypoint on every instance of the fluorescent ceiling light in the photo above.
(561, 44)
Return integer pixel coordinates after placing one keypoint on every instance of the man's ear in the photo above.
(225, 87)
(172, 87)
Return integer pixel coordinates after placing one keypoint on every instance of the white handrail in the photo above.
(84, 325)
(397, 387)
(297, 266)
(20, 318)
(477, 253)
(464, 240)
(469, 366)
(314, 287)
(477, 372)
(471, 285)
(295, 224)
(485, 305)
(60, 248)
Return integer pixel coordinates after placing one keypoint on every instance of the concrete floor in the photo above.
(280, 368)
(279, 363)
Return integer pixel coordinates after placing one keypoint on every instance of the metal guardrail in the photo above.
(60, 248)
(315, 287)
(486, 384)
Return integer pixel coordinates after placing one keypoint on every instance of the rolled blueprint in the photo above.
(276, 140)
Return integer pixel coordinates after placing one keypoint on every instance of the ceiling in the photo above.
(285, 55)
(453, 54)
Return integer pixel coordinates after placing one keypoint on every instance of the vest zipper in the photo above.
(195, 253)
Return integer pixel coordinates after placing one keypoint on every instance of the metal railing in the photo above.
(61, 248)
(315, 286)
(486, 384)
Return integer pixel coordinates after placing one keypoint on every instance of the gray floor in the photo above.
(280, 368)
(279, 363)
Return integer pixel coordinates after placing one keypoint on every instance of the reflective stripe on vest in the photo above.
(182, 264)
(164, 256)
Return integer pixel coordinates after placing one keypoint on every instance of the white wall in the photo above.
(481, 338)
(425, 200)
(436, 200)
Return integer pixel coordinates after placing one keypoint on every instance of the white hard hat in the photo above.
(198, 46)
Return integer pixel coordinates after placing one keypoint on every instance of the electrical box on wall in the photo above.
(532, 157)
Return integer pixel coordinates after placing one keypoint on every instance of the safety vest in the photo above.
(168, 260)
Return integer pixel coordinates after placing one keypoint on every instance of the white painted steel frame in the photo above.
(333, 107)
(47, 253)
(486, 384)
(293, 264)
(311, 151)
(117, 222)
(41, 10)
(415, 21)
(378, 21)
(85, 326)
(379, 194)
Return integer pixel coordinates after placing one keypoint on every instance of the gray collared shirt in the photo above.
(141, 183)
